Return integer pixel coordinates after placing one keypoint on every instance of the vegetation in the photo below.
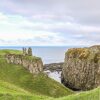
(32, 58)
(18, 53)
(8, 51)
(39, 84)
(88, 95)
(11, 92)
(82, 53)
(16, 83)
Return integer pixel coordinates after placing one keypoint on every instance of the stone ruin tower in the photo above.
(24, 51)
(27, 51)
(30, 51)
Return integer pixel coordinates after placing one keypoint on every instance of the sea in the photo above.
(49, 54)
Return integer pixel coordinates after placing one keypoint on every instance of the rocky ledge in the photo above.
(53, 66)
(32, 63)
(81, 70)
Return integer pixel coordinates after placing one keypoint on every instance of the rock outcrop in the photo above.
(81, 69)
(32, 63)
(53, 66)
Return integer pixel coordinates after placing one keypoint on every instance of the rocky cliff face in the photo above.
(81, 69)
(33, 64)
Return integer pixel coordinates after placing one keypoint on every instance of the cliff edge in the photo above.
(81, 69)
(32, 63)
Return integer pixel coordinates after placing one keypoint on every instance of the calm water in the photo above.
(48, 54)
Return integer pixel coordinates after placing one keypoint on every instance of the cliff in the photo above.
(32, 63)
(81, 69)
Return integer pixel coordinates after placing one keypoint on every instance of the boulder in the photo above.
(54, 66)
(81, 69)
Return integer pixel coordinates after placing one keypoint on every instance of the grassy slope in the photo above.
(6, 87)
(11, 92)
(88, 95)
(8, 51)
(41, 84)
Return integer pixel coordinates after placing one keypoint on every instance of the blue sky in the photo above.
(49, 22)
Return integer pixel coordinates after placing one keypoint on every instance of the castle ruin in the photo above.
(34, 65)
(27, 51)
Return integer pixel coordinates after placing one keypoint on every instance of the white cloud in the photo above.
(46, 29)
(2, 17)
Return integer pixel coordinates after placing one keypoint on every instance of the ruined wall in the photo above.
(33, 64)
(81, 69)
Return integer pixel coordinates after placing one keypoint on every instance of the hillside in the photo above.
(17, 83)
(88, 95)
(39, 84)
(8, 51)
(11, 92)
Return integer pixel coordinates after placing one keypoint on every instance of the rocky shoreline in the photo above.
(53, 70)
(80, 71)
(53, 66)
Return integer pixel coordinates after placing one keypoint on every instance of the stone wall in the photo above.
(81, 69)
(33, 64)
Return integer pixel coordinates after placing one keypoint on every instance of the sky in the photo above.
(49, 22)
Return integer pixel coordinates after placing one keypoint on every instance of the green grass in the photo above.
(8, 51)
(88, 95)
(39, 84)
(4, 52)
(32, 58)
(6, 87)
(20, 97)
(11, 92)
(16, 83)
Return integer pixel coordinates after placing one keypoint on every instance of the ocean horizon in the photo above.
(48, 54)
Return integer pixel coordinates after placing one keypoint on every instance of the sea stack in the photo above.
(81, 69)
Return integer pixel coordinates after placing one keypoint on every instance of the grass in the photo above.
(16, 83)
(8, 51)
(39, 84)
(88, 95)
(82, 53)
(11, 92)
(20, 97)
(32, 58)
(3, 52)
(6, 87)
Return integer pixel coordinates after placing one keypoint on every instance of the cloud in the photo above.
(87, 12)
(49, 22)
